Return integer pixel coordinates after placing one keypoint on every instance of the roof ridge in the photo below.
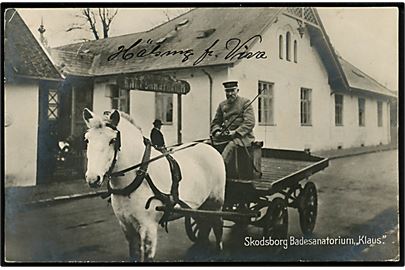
(96, 40)
(166, 22)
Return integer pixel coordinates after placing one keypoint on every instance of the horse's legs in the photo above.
(134, 248)
(204, 231)
(218, 231)
(133, 239)
(150, 242)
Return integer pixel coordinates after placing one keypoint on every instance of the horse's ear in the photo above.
(87, 115)
(115, 118)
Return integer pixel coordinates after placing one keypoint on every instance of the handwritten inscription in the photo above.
(235, 49)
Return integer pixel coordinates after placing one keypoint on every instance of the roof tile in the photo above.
(23, 53)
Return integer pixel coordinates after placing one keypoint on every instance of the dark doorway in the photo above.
(49, 106)
(61, 125)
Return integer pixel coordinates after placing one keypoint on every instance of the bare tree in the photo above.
(106, 16)
(90, 17)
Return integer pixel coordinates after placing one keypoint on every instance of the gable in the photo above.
(24, 56)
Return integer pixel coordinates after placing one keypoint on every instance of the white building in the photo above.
(31, 83)
(313, 98)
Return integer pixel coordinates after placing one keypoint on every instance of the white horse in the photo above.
(202, 185)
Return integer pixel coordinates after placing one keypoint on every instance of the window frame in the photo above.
(361, 111)
(380, 116)
(295, 51)
(288, 46)
(261, 112)
(339, 110)
(117, 99)
(280, 46)
(306, 104)
(161, 112)
(53, 104)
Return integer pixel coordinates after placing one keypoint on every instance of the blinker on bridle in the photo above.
(117, 147)
(117, 144)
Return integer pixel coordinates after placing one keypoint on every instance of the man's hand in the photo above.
(216, 133)
(233, 133)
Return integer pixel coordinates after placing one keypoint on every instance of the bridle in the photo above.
(141, 175)
(117, 147)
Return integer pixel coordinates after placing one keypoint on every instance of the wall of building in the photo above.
(143, 110)
(350, 134)
(196, 104)
(101, 101)
(288, 78)
(21, 133)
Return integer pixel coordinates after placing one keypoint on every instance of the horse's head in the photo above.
(103, 142)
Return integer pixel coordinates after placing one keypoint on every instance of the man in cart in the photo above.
(233, 122)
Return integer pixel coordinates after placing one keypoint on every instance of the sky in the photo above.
(366, 37)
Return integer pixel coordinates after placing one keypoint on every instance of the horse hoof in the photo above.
(220, 247)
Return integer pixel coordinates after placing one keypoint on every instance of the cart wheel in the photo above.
(276, 220)
(308, 208)
(191, 228)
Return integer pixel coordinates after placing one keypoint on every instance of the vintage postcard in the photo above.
(233, 135)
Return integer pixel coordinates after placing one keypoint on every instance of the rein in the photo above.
(146, 162)
(140, 174)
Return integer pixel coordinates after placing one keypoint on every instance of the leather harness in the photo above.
(141, 175)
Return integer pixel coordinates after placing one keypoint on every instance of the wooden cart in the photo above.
(283, 181)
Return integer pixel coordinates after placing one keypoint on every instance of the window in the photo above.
(164, 108)
(119, 98)
(288, 46)
(379, 113)
(305, 107)
(266, 103)
(362, 112)
(53, 104)
(338, 110)
(295, 51)
(280, 47)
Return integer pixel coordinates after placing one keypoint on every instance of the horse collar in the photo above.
(140, 173)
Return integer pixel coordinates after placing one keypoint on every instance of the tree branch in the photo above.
(90, 17)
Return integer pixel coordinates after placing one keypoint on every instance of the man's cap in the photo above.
(230, 85)
(157, 122)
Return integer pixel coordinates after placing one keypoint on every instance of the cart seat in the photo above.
(246, 163)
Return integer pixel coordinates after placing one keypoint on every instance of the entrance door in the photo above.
(82, 97)
(49, 106)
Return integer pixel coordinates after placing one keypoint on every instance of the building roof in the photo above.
(196, 29)
(359, 80)
(24, 55)
(73, 63)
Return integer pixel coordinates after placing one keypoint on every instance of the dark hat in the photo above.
(230, 85)
(157, 122)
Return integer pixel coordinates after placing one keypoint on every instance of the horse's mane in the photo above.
(129, 119)
(99, 122)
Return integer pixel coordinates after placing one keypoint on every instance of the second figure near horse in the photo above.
(156, 135)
